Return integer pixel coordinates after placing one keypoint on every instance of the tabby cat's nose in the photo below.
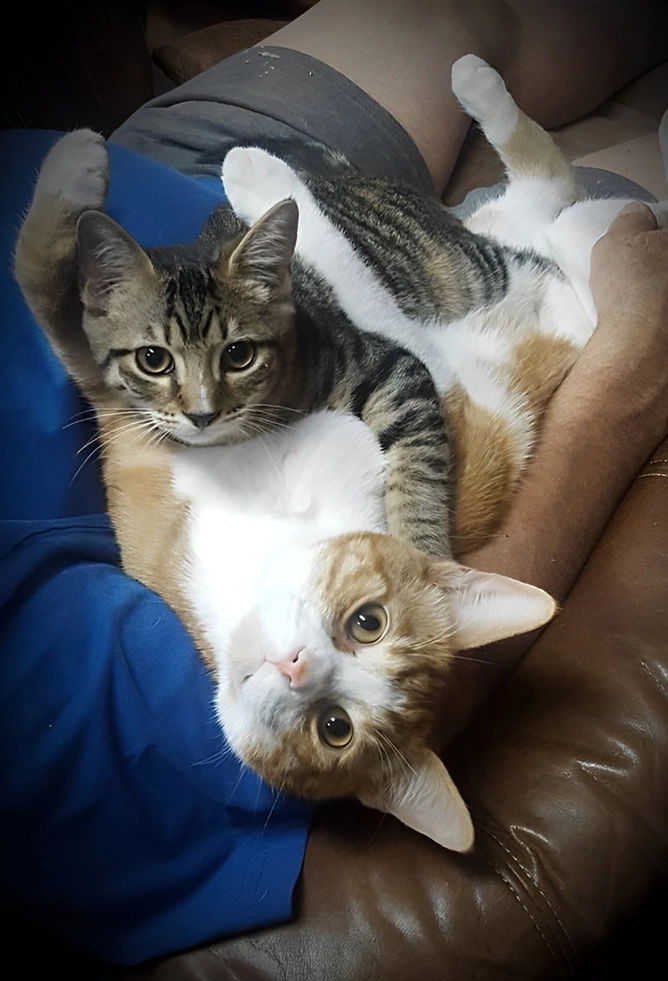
(200, 419)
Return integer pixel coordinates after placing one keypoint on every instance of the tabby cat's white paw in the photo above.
(76, 169)
(484, 96)
(254, 181)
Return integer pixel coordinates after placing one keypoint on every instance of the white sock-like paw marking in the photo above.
(254, 181)
(76, 169)
(484, 96)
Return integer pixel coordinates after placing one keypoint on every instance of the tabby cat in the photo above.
(218, 340)
(329, 640)
(497, 305)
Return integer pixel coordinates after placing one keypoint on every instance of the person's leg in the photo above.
(560, 58)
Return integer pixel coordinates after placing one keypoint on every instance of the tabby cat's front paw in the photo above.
(484, 96)
(254, 181)
(76, 169)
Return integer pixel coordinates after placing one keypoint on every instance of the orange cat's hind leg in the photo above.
(492, 448)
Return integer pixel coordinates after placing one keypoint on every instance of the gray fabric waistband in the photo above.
(279, 99)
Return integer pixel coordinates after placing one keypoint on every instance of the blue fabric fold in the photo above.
(127, 825)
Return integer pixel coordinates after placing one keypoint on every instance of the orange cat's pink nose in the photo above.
(295, 667)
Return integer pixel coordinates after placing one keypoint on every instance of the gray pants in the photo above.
(285, 101)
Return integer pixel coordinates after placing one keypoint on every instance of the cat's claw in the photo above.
(483, 96)
(254, 181)
(76, 169)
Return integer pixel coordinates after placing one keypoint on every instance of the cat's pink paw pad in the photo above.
(76, 170)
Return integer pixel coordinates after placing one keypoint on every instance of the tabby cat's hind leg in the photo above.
(525, 148)
(73, 179)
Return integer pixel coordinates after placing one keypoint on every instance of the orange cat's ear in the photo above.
(426, 799)
(265, 252)
(488, 607)
(108, 257)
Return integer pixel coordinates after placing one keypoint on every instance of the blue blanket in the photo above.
(127, 826)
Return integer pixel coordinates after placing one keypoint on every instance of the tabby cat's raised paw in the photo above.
(76, 170)
(484, 96)
(254, 181)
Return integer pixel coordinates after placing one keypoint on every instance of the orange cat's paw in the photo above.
(76, 169)
(484, 96)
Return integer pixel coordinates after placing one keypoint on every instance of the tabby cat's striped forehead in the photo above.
(191, 306)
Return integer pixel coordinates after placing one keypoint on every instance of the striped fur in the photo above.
(264, 551)
(497, 306)
(192, 308)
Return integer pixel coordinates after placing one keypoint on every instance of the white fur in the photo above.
(479, 86)
(257, 514)
(255, 180)
(534, 212)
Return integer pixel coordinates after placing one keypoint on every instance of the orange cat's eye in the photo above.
(334, 727)
(154, 360)
(367, 624)
(237, 356)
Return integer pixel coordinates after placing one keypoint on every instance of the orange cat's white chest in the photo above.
(256, 509)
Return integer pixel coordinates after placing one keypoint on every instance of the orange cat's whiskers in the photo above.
(237, 782)
(463, 656)
(215, 759)
(389, 745)
(434, 640)
(277, 795)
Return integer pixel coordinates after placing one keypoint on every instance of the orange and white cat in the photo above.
(330, 641)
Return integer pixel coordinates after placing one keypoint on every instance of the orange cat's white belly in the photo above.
(256, 509)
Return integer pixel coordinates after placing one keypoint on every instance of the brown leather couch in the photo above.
(565, 768)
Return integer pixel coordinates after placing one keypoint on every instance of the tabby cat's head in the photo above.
(334, 682)
(197, 339)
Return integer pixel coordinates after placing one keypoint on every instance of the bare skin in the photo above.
(400, 52)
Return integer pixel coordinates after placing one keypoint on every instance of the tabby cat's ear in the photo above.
(265, 252)
(489, 607)
(108, 257)
(426, 799)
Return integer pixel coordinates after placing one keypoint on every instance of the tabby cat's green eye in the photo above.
(154, 360)
(239, 355)
(368, 623)
(334, 727)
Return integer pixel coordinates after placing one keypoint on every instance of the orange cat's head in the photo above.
(332, 684)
